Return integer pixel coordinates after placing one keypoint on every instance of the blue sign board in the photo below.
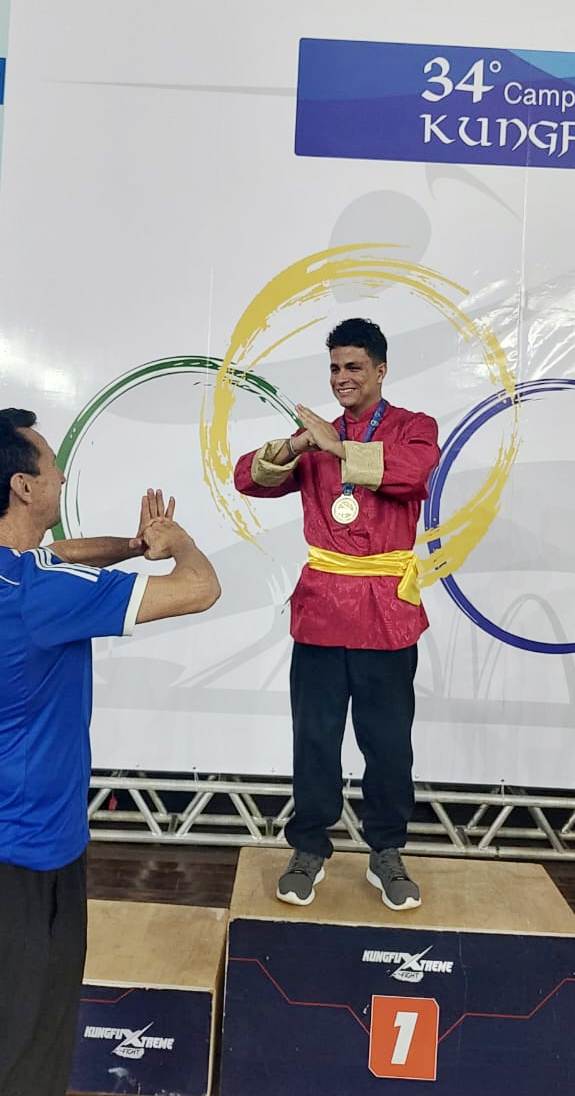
(435, 104)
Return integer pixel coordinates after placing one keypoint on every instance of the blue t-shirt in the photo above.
(49, 612)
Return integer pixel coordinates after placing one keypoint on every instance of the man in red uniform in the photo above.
(356, 614)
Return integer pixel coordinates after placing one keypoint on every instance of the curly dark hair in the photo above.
(363, 333)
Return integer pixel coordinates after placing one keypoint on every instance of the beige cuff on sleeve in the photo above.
(264, 472)
(363, 464)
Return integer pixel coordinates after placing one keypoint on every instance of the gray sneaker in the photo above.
(296, 885)
(387, 872)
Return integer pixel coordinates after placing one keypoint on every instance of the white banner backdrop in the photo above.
(150, 190)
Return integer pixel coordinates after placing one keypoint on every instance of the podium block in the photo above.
(471, 993)
(149, 1015)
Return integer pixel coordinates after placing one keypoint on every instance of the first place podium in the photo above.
(472, 993)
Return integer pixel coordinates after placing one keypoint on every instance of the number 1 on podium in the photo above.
(403, 1037)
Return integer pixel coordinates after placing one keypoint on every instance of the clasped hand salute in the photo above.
(152, 509)
(158, 534)
(317, 434)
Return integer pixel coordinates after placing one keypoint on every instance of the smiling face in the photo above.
(355, 378)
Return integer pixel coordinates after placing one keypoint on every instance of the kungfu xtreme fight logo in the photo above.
(405, 967)
(130, 1044)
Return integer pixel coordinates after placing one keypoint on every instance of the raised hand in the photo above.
(152, 507)
(322, 433)
(302, 443)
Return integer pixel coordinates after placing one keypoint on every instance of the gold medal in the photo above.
(345, 509)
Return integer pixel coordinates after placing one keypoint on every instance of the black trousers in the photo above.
(380, 686)
(42, 952)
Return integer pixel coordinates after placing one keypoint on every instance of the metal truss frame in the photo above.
(495, 823)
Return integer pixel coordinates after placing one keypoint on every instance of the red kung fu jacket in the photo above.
(391, 473)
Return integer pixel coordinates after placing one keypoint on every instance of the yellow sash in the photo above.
(404, 565)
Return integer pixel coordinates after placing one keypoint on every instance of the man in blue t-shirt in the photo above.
(53, 602)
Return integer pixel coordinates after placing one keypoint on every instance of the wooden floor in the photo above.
(199, 876)
(187, 875)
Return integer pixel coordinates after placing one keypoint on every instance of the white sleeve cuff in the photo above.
(134, 603)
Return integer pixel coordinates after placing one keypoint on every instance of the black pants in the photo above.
(380, 685)
(42, 952)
